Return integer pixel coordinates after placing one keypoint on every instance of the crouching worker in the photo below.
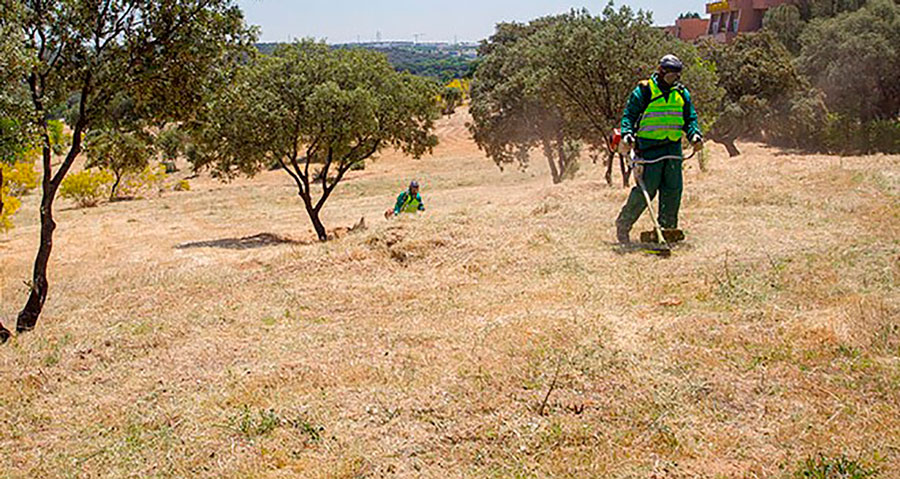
(410, 201)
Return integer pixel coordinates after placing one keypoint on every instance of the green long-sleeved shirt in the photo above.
(638, 102)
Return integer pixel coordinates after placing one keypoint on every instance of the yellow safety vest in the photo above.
(411, 205)
(664, 117)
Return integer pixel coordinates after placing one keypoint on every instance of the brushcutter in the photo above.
(661, 247)
(657, 241)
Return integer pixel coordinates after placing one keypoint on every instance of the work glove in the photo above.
(626, 144)
(697, 142)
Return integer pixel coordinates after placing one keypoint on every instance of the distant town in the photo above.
(462, 49)
(443, 61)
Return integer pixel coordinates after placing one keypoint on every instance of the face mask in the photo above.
(671, 77)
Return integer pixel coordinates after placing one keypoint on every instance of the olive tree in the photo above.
(786, 24)
(510, 115)
(451, 98)
(159, 53)
(120, 152)
(862, 46)
(765, 96)
(563, 81)
(316, 112)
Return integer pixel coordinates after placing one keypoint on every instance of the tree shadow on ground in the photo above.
(261, 240)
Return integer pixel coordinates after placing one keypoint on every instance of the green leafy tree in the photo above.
(451, 98)
(855, 58)
(563, 81)
(317, 112)
(510, 118)
(811, 9)
(162, 54)
(764, 93)
(786, 24)
(171, 142)
(118, 152)
(14, 134)
(58, 137)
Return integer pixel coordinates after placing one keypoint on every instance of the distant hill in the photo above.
(442, 61)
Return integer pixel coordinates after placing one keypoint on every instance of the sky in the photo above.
(345, 21)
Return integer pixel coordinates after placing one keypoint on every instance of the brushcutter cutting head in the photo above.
(659, 250)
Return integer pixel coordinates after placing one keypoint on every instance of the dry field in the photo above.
(425, 347)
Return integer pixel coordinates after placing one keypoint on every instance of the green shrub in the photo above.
(171, 142)
(86, 188)
(845, 135)
(822, 467)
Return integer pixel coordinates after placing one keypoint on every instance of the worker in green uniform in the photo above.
(410, 201)
(658, 115)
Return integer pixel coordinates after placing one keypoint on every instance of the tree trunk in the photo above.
(313, 213)
(39, 286)
(50, 184)
(28, 317)
(115, 186)
(317, 224)
(731, 147)
(563, 161)
(609, 166)
(554, 172)
(728, 143)
(726, 138)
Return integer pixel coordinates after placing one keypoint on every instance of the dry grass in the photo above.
(424, 347)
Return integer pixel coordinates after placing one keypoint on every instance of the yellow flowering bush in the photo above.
(10, 205)
(86, 188)
(18, 179)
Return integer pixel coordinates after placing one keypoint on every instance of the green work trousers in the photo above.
(664, 177)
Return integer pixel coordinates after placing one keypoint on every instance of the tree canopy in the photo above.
(764, 93)
(161, 55)
(562, 81)
(317, 112)
(863, 45)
